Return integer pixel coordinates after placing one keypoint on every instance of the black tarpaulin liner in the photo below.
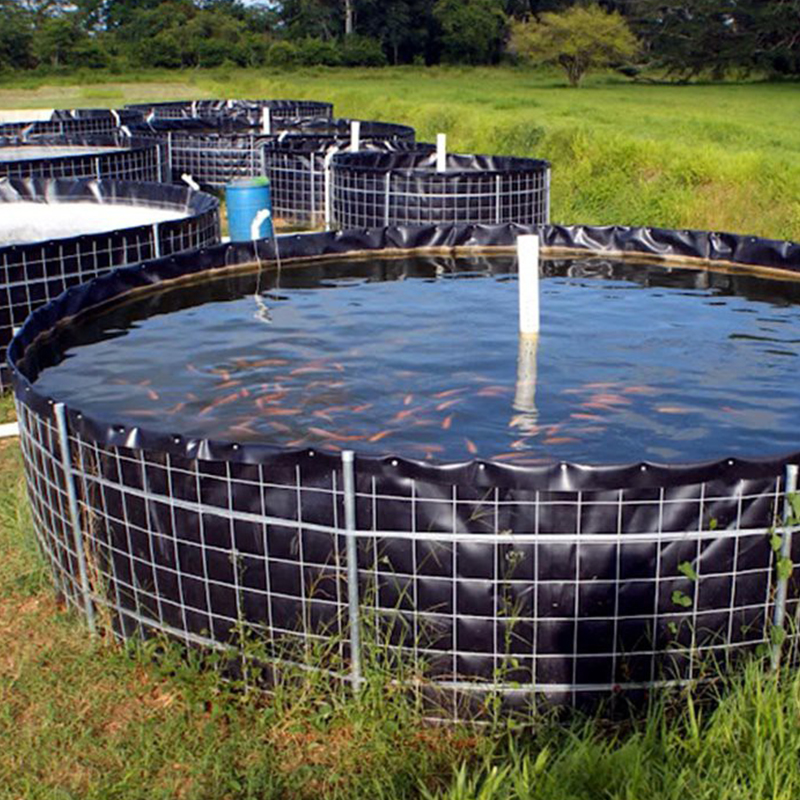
(125, 158)
(35, 272)
(405, 188)
(234, 108)
(76, 122)
(564, 581)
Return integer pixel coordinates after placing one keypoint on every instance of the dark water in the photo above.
(420, 358)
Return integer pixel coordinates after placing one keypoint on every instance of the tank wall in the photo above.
(568, 595)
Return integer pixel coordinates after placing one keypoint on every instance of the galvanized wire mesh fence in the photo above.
(376, 189)
(530, 594)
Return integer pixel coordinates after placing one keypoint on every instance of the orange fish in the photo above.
(176, 408)
(408, 399)
(363, 407)
(449, 392)
(610, 399)
(471, 446)
(269, 362)
(560, 440)
(639, 390)
(229, 384)
(586, 416)
(281, 412)
(672, 410)
(378, 436)
(447, 404)
(401, 415)
(222, 401)
(143, 413)
(447, 422)
(152, 395)
(278, 426)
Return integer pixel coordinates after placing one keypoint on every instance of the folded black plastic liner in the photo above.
(249, 109)
(594, 600)
(78, 122)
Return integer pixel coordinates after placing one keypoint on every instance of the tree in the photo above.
(472, 30)
(582, 38)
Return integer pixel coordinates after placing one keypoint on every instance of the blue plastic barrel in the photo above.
(244, 199)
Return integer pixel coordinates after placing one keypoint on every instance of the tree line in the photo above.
(681, 40)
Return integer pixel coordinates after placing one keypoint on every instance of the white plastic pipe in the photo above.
(116, 117)
(258, 221)
(441, 152)
(528, 258)
(190, 181)
(266, 121)
(355, 135)
(525, 395)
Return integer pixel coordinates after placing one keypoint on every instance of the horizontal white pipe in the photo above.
(9, 429)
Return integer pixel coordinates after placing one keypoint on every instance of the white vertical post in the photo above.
(355, 135)
(328, 176)
(781, 590)
(115, 115)
(349, 492)
(74, 514)
(441, 152)
(194, 108)
(528, 258)
(266, 120)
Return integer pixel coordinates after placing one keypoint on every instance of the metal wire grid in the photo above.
(552, 609)
(139, 161)
(364, 197)
(211, 159)
(32, 275)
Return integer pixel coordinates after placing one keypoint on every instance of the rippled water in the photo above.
(421, 358)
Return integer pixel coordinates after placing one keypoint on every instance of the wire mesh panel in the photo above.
(228, 109)
(298, 165)
(33, 273)
(111, 157)
(538, 594)
(78, 122)
(373, 189)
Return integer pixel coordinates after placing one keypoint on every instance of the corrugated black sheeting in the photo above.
(577, 617)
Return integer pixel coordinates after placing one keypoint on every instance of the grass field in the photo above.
(82, 718)
(717, 156)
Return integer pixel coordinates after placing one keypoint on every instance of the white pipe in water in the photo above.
(528, 258)
(355, 135)
(266, 121)
(441, 152)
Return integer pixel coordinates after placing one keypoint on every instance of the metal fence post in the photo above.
(349, 487)
(781, 590)
(387, 198)
(75, 520)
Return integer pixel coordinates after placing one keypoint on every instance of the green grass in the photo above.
(717, 156)
(83, 718)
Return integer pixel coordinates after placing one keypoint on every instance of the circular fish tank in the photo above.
(74, 122)
(227, 109)
(216, 151)
(359, 449)
(116, 157)
(369, 189)
(298, 162)
(58, 233)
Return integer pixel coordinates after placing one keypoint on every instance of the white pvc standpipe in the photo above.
(258, 220)
(441, 152)
(528, 257)
(355, 135)
(266, 121)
